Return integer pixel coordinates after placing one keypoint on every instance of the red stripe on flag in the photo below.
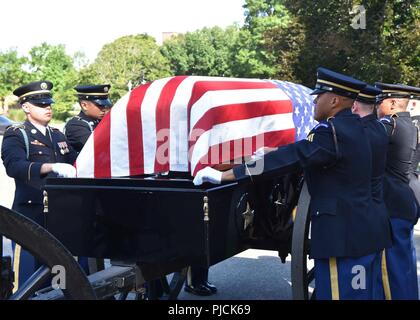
(242, 111)
(201, 87)
(135, 130)
(163, 117)
(236, 149)
(102, 150)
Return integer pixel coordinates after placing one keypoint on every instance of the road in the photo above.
(250, 275)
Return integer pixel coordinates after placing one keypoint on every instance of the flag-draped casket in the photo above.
(186, 123)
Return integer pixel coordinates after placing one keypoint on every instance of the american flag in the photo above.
(185, 123)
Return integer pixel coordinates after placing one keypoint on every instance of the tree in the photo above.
(206, 52)
(400, 39)
(175, 50)
(50, 62)
(263, 15)
(13, 72)
(322, 33)
(134, 58)
(253, 57)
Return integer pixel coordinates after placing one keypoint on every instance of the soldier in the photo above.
(197, 282)
(399, 262)
(94, 103)
(31, 152)
(347, 235)
(414, 109)
(364, 106)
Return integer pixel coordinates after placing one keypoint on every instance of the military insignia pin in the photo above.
(44, 86)
(63, 147)
(310, 137)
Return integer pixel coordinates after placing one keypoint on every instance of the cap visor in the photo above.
(317, 91)
(45, 101)
(103, 102)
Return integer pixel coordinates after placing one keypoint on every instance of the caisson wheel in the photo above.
(301, 274)
(49, 252)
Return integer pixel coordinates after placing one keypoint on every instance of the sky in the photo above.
(86, 25)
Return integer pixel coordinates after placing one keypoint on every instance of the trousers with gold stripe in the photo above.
(349, 278)
(399, 263)
(24, 264)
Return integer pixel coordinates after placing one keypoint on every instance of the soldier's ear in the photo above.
(354, 107)
(335, 101)
(83, 106)
(25, 108)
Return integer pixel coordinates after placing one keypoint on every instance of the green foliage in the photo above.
(322, 35)
(16, 115)
(51, 63)
(12, 72)
(284, 43)
(282, 39)
(253, 57)
(264, 15)
(206, 52)
(400, 39)
(134, 58)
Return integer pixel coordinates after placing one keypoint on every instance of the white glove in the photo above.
(64, 170)
(259, 153)
(208, 175)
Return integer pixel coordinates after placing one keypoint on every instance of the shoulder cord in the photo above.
(88, 123)
(80, 119)
(337, 150)
(26, 140)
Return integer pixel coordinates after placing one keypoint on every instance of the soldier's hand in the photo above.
(261, 152)
(208, 175)
(64, 170)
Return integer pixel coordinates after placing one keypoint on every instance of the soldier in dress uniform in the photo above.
(197, 282)
(414, 109)
(94, 103)
(399, 261)
(364, 106)
(347, 235)
(31, 152)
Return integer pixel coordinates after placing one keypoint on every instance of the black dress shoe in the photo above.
(210, 286)
(199, 290)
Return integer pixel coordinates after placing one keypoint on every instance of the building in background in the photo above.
(168, 35)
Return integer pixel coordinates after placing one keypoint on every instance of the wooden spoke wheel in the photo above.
(49, 252)
(302, 275)
(161, 289)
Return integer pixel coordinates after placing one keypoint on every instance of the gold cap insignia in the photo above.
(44, 86)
